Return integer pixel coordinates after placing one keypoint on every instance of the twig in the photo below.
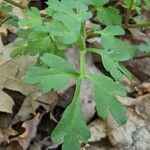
(15, 4)
(4, 20)
(141, 25)
(129, 12)
(142, 56)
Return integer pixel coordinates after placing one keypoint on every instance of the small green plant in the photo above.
(63, 26)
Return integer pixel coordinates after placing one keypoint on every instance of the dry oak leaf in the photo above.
(4, 134)
(98, 130)
(6, 102)
(30, 131)
(33, 101)
(11, 72)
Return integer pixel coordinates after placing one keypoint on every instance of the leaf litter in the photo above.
(128, 136)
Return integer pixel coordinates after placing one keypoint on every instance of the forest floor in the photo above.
(35, 115)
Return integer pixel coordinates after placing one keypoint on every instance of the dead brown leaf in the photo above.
(6, 102)
(30, 131)
(32, 103)
(98, 130)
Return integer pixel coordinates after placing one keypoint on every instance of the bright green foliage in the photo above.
(145, 47)
(97, 3)
(68, 17)
(53, 76)
(120, 49)
(116, 51)
(65, 35)
(7, 8)
(74, 9)
(147, 4)
(63, 27)
(13, 21)
(105, 90)
(72, 126)
(108, 16)
(113, 64)
(136, 5)
(33, 43)
(33, 18)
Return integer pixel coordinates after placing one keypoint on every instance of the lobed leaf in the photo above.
(109, 16)
(4, 6)
(72, 126)
(32, 43)
(33, 18)
(53, 76)
(98, 3)
(105, 91)
(68, 17)
(121, 50)
(106, 15)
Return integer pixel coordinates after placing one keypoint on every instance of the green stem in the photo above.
(15, 4)
(82, 62)
(129, 12)
(141, 25)
(82, 46)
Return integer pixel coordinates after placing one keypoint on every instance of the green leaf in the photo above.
(33, 18)
(57, 62)
(99, 3)
(145, 47)
(67, 19)
(72, 126)
(113, 64)
(113, 31)
(136, 5)
(147, 4)
(53, 76)
(64, 32)
(4, 6)
(105, 92)
(20, 48)
(120, 49)
(32, 43)
(77, 10)
(109, 16)
(13, 21)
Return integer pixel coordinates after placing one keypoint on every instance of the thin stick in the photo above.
(129, 12)
(15, 4)
(141, 25)
(3, 21)
(142, 56)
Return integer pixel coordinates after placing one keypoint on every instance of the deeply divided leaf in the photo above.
(113, 65)
(106, 15)
(54, 75)
(105, 92)
(33, 18)
(32, 43)
(109, 16)
(120, 49)
(68, 17)
(72, 126)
